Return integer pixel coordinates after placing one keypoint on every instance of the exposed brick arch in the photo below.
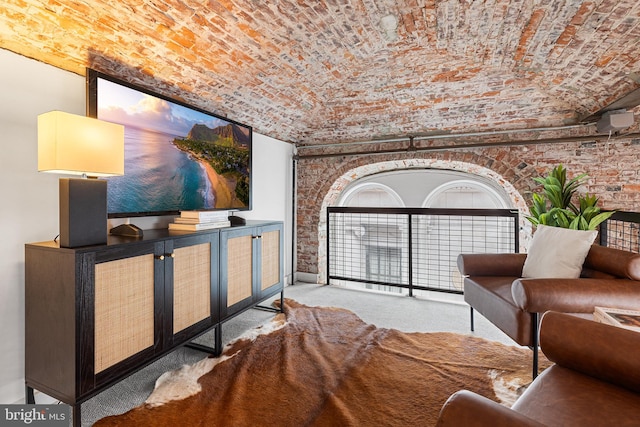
(613, 169)
(332, 176)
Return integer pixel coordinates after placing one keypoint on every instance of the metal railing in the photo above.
(413, 248)
(621, 231)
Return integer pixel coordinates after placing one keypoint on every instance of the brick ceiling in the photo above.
(329, 71)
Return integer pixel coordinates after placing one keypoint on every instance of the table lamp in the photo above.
(79, 145)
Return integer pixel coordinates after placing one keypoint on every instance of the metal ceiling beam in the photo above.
(412, 148)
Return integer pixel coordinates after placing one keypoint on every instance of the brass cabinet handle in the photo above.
(161, 257)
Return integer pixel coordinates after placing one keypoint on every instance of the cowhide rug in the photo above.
(318, 366)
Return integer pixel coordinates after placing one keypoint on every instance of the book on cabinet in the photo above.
(205, 216)
(199, 226)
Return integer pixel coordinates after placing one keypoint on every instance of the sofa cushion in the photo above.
(563, 397)
(557, 252)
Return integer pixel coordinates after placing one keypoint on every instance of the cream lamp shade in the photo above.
(79, 145)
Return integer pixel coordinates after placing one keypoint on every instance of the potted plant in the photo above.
(554, 205)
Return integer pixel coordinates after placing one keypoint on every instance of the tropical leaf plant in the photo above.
(554, 205)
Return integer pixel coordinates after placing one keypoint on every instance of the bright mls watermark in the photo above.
(35, 415)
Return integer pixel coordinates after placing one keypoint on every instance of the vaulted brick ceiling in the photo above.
(329, 71)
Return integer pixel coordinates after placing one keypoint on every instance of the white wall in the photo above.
(272, 186)
(29, 200)
(272, 172)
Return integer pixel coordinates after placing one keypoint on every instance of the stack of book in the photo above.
(200, 220)
(629, 319)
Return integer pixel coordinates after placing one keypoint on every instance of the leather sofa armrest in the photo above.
(614, 261)
(465, 408)
(606, 352)
(574, 295)
(508, 264)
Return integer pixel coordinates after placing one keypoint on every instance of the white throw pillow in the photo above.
(557, 252)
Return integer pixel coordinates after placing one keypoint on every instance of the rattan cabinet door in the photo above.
(121, 311)
(124, 309)
(270, 253)
(251, 266)
(236, 270)
(191, 287)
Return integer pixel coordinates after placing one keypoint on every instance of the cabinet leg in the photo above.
(29, 396)
(471, 318)
(216, 350)
(30, 399)
(77, 416)
(218, 343)
(276, 310)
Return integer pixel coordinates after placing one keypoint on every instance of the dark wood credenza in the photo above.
(94, 315)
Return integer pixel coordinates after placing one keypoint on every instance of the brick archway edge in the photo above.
(613, 168)
(338, 186)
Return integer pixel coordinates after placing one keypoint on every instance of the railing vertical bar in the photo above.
(328, 242)
(410, 252)
(516, 231)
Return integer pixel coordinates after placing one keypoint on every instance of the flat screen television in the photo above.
(177, 157)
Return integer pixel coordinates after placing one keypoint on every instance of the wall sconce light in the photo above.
(79, 145)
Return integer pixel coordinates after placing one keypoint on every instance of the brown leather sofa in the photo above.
(493, 286)
(595, 381)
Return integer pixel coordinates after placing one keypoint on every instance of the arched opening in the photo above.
(348, 180)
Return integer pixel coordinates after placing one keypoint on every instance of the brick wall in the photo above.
(613, 168)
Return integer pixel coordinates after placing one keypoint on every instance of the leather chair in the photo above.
(494, 287)
(595, 381)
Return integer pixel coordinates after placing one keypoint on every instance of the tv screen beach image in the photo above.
(176, 158)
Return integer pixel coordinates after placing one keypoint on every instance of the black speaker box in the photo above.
(83, 212)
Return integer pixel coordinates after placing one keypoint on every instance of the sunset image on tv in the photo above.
(176, 158)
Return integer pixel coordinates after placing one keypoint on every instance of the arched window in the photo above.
(465, 193)
(373, 247)
(376, 247)
(436, 238)
(413, 180)
(370, 194)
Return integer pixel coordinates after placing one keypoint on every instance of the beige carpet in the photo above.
(319, 366)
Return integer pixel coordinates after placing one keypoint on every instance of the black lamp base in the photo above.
(83, 212)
